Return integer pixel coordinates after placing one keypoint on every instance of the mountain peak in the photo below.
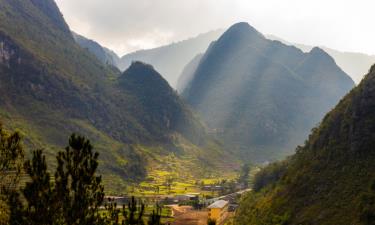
(145, 76)
(372, 69)
(241, 25)
(318, 50)
(51, 10)
(141, 65)
(243, 28)
(322, 55)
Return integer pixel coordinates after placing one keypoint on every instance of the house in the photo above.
(218, 211)
(186, 197)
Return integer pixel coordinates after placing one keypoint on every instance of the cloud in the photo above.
(128, 25)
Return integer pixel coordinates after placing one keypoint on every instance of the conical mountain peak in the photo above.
(241, 31)
(144, 74)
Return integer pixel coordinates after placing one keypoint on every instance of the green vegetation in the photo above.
(211, 222)
(104, 55)
(269, 175)
(330, 179)
(74, 196)
(52, 87)
(244, 175)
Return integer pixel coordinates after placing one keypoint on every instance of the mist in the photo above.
(126, 26)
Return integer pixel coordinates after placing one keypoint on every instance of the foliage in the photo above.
(211, 222)
(330, 179)
(155, 217)
(4, 212)
(39, 194)
(11, 159)
(133, 214)
(52, 87)
(77, 184)
(244, 175)
(269, 175)
(367, 206)
(74, 197)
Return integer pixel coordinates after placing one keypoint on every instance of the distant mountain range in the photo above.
(262, 97)
(354, 64)
(331, 179)
(171, 59)
(51, 87)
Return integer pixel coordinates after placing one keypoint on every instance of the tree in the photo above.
(77, 186)
(155, 218)
(4, 212)
(211, 222)
(11, 160)
(169, 183)
(39, 194)
(367, 206)
(244, 175)
(134, 213)
(112, 216)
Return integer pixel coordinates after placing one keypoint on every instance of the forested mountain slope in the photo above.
(104, 55)
(51, 87)
(331, 179)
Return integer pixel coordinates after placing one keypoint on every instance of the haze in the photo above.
(129, 25)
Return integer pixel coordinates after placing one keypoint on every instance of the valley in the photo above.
(227, 127)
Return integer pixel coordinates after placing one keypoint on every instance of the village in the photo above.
(193, 208)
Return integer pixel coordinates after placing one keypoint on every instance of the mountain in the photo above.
(104, 55)
(157, 98)
(51, 87)
(188, 73)
(170, 59)
(331, 179)
(353, 63)
(260, 96)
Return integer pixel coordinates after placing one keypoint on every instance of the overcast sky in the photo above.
(128, 25)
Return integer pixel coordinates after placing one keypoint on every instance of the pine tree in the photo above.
(77, 185)
(155, 218)
(112, 215)
(42, 204)
(11, 161)
(134, 213)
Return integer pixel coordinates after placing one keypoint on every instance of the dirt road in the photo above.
(185, 215)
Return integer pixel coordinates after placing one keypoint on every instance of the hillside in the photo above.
(51, 87)
(152, 93)
(104, 55)
(330, 180)
(355, 64)
(260, 102)
(170, 59)
(188, 73)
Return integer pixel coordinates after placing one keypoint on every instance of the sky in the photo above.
(129, 25)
